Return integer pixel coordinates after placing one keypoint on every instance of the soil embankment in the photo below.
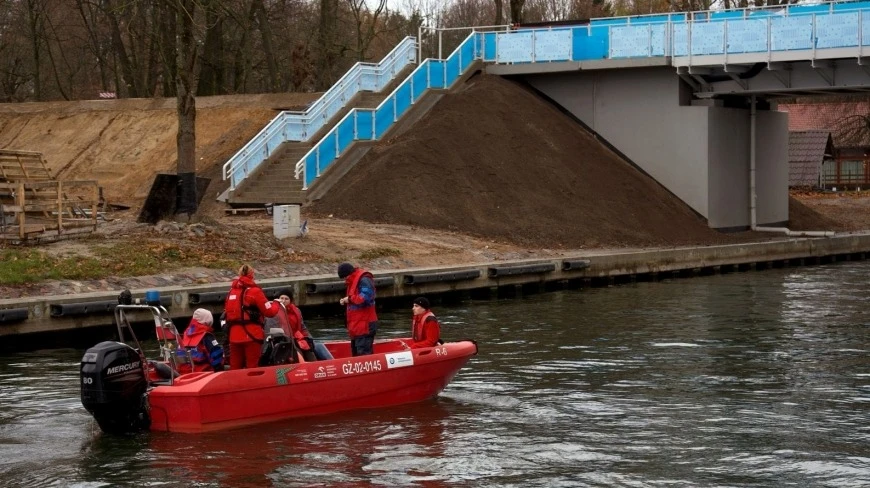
(124, 143)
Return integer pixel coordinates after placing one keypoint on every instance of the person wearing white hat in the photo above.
(200, 345)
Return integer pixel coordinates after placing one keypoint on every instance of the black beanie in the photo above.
(422, 301)
(344, 270)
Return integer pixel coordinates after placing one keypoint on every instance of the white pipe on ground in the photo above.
(753, 197)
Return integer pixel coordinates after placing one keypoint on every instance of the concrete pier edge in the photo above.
(68, 312)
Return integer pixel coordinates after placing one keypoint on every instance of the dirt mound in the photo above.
(802, 217)
(497, 160)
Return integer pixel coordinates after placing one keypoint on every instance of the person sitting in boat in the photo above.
(425, 330)
(359, 302)
(246, 307)
(289, 318)
(199, 345)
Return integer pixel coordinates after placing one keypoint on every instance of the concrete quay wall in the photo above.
(70, 312)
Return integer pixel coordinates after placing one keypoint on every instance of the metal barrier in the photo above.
(92, 308)
(340, 286)
(208, 297)
(14, 315)
(501, 271)
(418, 278)
(575, 264)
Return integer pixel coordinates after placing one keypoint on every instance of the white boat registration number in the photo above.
(361, 367)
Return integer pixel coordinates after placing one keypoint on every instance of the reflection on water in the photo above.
(750, 379)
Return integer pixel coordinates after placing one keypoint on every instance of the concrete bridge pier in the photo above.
(699, 149)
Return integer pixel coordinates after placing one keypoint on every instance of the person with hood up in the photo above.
(362, 320)
(199, 344)
(246, 307)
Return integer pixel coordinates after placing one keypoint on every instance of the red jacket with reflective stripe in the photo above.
(360, 309)
(244, 328)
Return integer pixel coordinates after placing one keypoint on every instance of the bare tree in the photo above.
(327, 39)
(366, 23)
(187, 55)
(36, 31)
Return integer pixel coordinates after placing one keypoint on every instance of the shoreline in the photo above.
(68, 312)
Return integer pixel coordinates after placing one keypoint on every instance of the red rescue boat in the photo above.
(126, 392)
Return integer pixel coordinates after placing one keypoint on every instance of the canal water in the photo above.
(744, 379)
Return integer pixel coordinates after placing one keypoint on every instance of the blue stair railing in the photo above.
(371, 124)
(300, 126)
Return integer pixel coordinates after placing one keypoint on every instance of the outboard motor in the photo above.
(113, 387)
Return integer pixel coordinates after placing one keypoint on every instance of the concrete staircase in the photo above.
(359, 149)
(275, 181)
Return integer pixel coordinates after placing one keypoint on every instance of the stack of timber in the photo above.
(36, 207)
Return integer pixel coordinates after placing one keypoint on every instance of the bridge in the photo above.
(689, 98)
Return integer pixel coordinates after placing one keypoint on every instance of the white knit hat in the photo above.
(203, 316)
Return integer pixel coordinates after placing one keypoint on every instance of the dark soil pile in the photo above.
(496, 160)
(801, 217)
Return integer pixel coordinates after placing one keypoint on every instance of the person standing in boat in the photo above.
(200, 345)
(246, 308)
(362, 320)
(425, 330)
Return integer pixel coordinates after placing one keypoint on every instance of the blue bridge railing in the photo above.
(683, 35)
(793, 32)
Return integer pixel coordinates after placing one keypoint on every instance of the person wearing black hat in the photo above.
(289, 319)
(425, 330)
(362, 320)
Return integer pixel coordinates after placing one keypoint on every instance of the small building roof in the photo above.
(848, 122)
(807, 149)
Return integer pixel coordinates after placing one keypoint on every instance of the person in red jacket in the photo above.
(246, 308)
(425, 330)
(200, 346)
(362, 320)
(289, 319)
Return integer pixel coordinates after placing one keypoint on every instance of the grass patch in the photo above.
(31, 266)
(141, 258)
(379, 252)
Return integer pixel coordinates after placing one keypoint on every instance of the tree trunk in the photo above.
(212, 76)
(185, 85)
(34, 18)
(326, 41)
(517, 11)
(268, 50)
(499, 12)
(129, 80)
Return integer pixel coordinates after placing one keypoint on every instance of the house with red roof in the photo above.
(848, 123)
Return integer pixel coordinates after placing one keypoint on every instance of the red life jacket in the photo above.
(359, 316)
(193, 334)
(199, 354)
(243, 316)
(417, 322)
(294, 318)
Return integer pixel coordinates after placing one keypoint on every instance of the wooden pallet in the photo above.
(36, 207)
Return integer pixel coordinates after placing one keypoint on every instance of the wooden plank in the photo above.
(243, 211)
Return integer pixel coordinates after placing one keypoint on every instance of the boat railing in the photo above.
(163, 326)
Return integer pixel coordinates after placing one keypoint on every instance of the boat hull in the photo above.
(202, 402)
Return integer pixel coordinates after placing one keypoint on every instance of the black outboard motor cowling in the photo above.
(113, 384)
